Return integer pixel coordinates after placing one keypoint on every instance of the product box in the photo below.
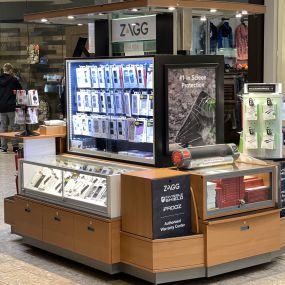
(21, 97)
(53, 130)
(33, 98)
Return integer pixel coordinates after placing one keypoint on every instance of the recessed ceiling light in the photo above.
(70, 17)
(79, 24)
(203, 18)
(43, 20)
(213, 10)
(244, 12)
(238, 15)
(134, 9)
(171, 8)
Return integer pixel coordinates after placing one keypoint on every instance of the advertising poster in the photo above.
(191, 106)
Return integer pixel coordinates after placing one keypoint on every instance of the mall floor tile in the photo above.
(21, 264)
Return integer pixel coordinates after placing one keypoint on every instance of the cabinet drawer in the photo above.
(28, 218)
(93, 238)
(242, 237)
(9, 210)
(58, 227)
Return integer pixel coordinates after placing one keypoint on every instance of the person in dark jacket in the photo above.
(8, 83)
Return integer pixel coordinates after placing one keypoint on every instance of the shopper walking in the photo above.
(8, 83)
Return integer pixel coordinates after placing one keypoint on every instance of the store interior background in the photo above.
(57, 41)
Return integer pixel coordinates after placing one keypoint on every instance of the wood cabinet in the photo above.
(93, 238)
(58, 227)
(241, 237)
(28, 218)
(282, 232)
(85, 234)
(162, 255)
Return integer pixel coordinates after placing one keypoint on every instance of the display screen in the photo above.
(192, 114)
(111, 107)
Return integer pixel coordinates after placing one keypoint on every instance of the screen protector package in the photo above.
(150, 104)
(251, 110)
(126, 77)
(87, 100)
(95, 101)
(103, 106)
(127, 104)
(110, 103)
(101, 77)
(251, 139)
(269, 110)
(141, 76)
(135, 103)
(108, 77)
(149, 131)
(143, 104)
(133, 77)
(113, 128)
(268, 139)
(83, 77)
(80, 101)
(122, 128)
(94, 76)
(149, 83)
(119, 105)
(115, 69)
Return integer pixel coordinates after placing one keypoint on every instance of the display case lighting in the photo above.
(244, 12)
(43, 20)
(203, 18)
(171, 8)
(79, 24)
(101, 14)
(134, 10)
(213, 10)
(70, 17)
(238, 15)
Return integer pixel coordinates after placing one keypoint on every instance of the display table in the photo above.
(38, 146)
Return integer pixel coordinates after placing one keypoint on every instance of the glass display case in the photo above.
(234, 188)
(81, 184)
(129, 108)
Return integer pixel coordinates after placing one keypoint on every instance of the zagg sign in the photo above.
(134, 29)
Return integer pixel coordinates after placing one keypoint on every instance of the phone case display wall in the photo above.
(85, 185)
(233, 188)
(111, 104)
(262, 120)
(26, 112)
(117, 106)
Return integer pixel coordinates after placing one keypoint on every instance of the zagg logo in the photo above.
(171, 187)
(135, 29)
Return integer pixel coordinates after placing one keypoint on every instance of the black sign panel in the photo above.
(261, 88)
(282, 189)
(171, 207)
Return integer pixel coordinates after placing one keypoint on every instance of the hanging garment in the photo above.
(213, 37)
(241, 41)
(225, 36)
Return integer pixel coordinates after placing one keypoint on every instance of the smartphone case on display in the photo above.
(95, 101)
(103, 106)
(33, 98)
(21, 97)
(126, 77)
(94, 77)
(150, 104)
(149, 83)
(20, 116)
(149, 131)
(122, 128)
(105, 127)
(133, 77)
(80, 101)
(127, 104)
(85, 127)
(87, 100)
(140, 130)
(251, 110)
(32, 116)
(101, 77)
(116, 76)
(131, 129)
(113, 128)
(269, 110)
(143, 104)
(141, 74)
(83, 77)
(110, 103)
(76, 122)
(135, 104)
(97, 129)
(108, 77)
(90, 126)
(119, 106)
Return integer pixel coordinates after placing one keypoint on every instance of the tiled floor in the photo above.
(24, 265)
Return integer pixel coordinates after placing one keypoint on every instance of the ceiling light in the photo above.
(244, 12)
(238, 15)
(134, 9)
(203, 18)
(79, 24)
(171, 8)
(70, 17)
(213, 10)
(43, 20)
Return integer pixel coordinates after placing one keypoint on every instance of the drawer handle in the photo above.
(90, 229)
(27, 210)
(57, 219)
(244, 228)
